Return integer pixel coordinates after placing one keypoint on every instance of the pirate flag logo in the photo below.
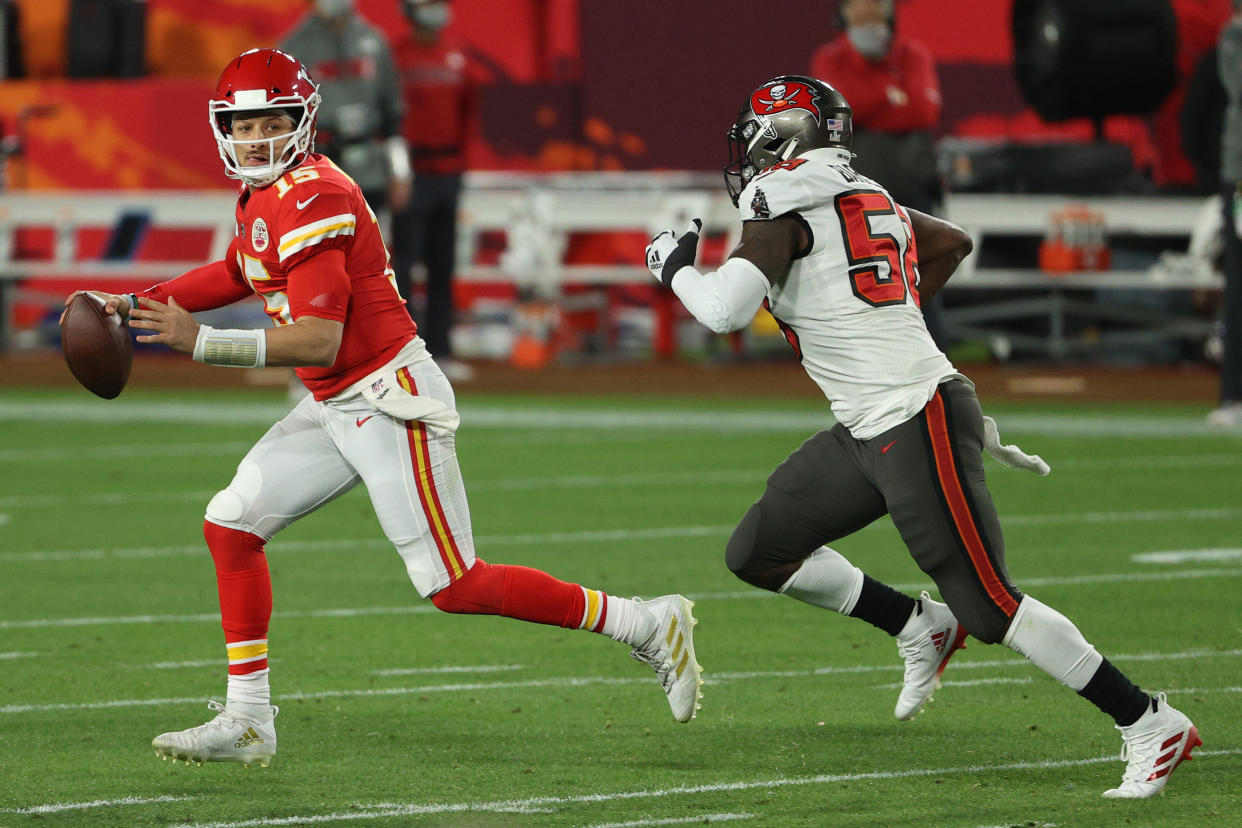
(759, 205)
(782, 97)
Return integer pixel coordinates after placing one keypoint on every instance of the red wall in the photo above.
(596, 85)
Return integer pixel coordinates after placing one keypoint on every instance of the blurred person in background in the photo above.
(890, 81)
(1230, 55)
(360, 119)
(440, 99)
(380, 413)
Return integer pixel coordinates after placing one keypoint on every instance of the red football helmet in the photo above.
(264, 79)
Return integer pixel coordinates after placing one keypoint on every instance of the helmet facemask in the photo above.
(298, 142)
(753, 147)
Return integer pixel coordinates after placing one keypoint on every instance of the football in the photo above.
(97, 348)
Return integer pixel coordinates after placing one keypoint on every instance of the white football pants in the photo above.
(319, 451)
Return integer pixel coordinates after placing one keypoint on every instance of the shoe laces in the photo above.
(1140, 750)
(225, 718)
(915, 649)
(662, 665)
(649, 652)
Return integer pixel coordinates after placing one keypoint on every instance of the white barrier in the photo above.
(538, 212)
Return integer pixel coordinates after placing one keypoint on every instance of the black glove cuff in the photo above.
(687, 245)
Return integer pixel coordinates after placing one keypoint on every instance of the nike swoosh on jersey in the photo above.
(361, 420)
(303, 204)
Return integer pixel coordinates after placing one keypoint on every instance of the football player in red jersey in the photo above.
(380, 412)
(843, 268)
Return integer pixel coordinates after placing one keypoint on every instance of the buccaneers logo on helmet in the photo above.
(783, 118)
(782, 97)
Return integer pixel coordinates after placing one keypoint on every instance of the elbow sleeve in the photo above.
(723, 300)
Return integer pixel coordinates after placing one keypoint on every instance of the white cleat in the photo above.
(229, 737)
(926, 643)
(1153, 747)
(670, 652)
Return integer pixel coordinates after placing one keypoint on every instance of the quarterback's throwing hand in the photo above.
(669, 253)
(172, 324)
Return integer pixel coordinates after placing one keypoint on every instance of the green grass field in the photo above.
(395, 714)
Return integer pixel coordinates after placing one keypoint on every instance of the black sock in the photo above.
(1116, 695)
(883, 606)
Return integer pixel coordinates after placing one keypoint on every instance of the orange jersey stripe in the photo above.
(416, 433)
(951, 486)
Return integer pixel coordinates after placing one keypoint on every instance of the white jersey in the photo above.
(849, 307)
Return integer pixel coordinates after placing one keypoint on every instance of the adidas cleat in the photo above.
(926, 643)
(1153, 747)
(670, 652)
(229, 737)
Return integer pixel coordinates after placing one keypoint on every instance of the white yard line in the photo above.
(578, 481)
(475, 668)
(1176, 556)
(58, 807)
(742, 595)
(176, 665)
(755, 420)
(398, 809)
(121, 451)
(971, 683)
(10, 656)
(701, 819)
(584, 681)
(619, 535)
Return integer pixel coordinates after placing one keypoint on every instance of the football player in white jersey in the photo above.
(843, 270)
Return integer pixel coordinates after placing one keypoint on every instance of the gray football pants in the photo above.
(927, 473)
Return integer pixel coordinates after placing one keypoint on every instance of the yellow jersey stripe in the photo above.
(315, 232)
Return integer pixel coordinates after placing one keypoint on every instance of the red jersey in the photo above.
(898, 93)
(311, 208)
(440, 97)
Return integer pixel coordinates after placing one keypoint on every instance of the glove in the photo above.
(669, 253)
(1011, 455)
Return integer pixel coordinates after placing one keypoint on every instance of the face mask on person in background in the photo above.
(334, 8)
(432, 16)
(870, 39)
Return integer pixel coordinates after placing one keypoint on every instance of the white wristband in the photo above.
(231, 348)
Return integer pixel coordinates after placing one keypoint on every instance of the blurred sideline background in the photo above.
(1076, 161)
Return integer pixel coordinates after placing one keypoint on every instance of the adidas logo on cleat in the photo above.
(248, 739)
(1164, 765)
(940, 640)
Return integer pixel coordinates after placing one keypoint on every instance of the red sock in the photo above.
(244, 585)
(514, 592)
